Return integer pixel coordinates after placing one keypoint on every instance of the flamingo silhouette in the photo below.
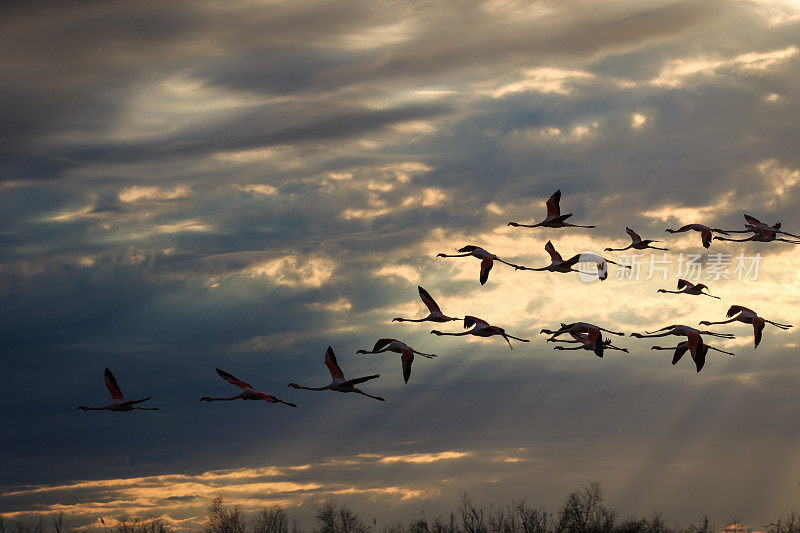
(705, 232)
(554, 217)
(481, 328)
(637, 243)
(687, 287)
(435, 313)
(248, 392)
(748, 316)
(119, 403)
(487, 259)
(338, 382)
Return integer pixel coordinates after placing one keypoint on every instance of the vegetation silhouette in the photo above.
(583, 511)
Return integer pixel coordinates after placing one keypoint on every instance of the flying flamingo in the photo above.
(406, 353)
(558, 264)
(636, 243)
(748, 316)
(680, 330)
(578, 327)
(481, 328)
(554, 217)
(587, 341)
(487, 259)
(338, 383)
(705, 232)
(118, 403)
(698, 355)
(764, 234)
(435, 313)
(584, 332)
(756, 226)
(694, 342)
(687, 287)
(248, 392)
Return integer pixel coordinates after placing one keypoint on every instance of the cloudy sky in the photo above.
(239, 184)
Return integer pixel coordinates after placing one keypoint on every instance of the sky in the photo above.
(239, 184)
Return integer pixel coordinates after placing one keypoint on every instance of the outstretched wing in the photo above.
(553, 209)
(705, 234)
(381, 344)
(111, 385)
(680, 350)
(683, 283)
(356, 381)
(635, 236)
(429, 302)
(233, 380)
(406, 358)
(736, 309)
(758, 329)
(470, 321)
(486, 266)
(333, 366)
(468, 248)
(753, 220)
(554, 256)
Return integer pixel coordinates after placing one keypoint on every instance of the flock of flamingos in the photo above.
(583, 335)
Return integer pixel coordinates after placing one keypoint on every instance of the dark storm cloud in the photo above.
(240, 185)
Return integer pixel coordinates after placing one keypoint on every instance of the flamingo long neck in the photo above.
(219, 399)
(326, 387)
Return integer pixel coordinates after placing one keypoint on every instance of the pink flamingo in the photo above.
(338, 382)
(698, 354)
(481, 328)
(248, 392)
(406, 353)
(588, 341)
(487, 259)
(118, 404)
(748, 316)
(694, 343)
(637, 243)
(705, 232)
(558, 264)
(435, 313)
(554, 217)
(687, 287)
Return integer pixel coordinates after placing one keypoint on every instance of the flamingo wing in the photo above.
(699, 355)
(550, 249)
(468, 248)
(429, 302)
(735, 309)
(486, 267)
(333, 366)
(634, 236)
(406, 358)
(267, 397)
(683, 283)
(233, 380)
(705, 234)
(753, 220)
(356, 381)
(553, 209)
(111, 385)
(758, 329)
(382, 343)
(470, 321)
(680, 350)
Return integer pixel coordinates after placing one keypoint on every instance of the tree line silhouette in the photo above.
(583, 511)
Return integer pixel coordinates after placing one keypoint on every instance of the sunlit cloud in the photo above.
(136, 193)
